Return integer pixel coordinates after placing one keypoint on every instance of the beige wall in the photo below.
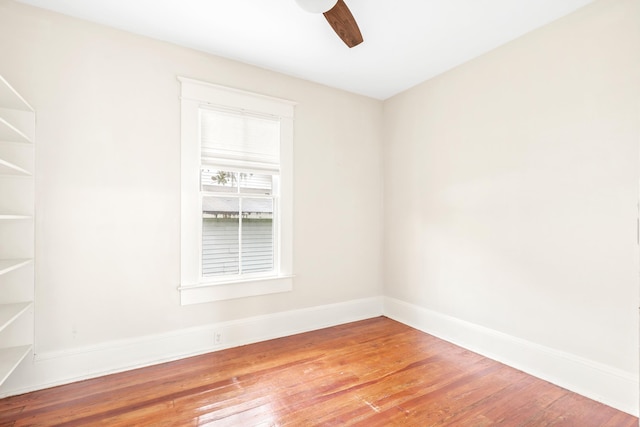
(511, 188)
(509, 201)
(108, 181)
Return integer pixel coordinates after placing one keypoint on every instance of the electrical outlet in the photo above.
(217, 337)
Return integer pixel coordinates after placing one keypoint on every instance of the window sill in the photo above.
(220, 291)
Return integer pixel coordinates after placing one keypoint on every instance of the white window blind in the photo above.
(240, 136)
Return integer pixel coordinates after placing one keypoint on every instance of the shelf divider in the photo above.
(7, 265)
(10, 358)
(10, 98)
(10, 133)
(10, 312)
(7, 168)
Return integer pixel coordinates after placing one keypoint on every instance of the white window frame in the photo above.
(193, 287)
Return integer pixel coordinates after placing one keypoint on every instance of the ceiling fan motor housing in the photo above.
(316, 6)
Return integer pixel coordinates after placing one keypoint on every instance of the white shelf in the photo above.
(7, 168)
(10, 358)
(10, 312)
(10, 98)
(9, 132)
(9, 216)
(7, 265)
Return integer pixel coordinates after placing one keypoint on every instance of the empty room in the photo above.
(319, 212)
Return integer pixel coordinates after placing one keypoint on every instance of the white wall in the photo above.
(108, 180)
(511, 189)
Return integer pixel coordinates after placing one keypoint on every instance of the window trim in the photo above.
(193, 288)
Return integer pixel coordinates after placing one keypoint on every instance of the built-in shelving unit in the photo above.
(10, 358)
(10, 312)
(9, 132)
(17, 136)
(7, 168)
(7, 265)
(10, 216)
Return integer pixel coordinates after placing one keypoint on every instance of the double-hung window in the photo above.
(236, 216)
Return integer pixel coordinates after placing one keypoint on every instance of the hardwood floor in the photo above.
(375, 372)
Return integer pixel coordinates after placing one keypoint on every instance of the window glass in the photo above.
(257, 235)
(237, 230)
(215, 180)
(220, 231)
(256, 183)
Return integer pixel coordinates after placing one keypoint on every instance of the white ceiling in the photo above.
(405, 41)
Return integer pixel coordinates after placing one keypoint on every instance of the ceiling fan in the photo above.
(339, 17)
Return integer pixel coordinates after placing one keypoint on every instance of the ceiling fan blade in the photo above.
(343, 23)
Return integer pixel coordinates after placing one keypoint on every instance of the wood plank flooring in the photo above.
(376, 372)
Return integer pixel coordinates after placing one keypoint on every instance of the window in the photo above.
(236, 216)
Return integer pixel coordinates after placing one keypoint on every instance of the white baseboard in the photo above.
(605, 384)
(62, 367)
